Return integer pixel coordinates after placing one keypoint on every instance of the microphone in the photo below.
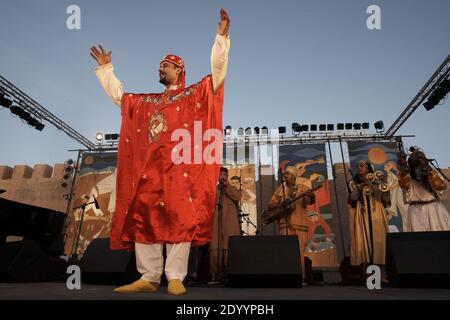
(96, 203)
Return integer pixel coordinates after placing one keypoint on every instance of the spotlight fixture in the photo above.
(365, 125)
(240, 131)
(68, 168)
(379, 125)
(5, 102)
(304, 127)
(330, 127)
(357, 126)
(227, 130)
(340, 126)
(348, 126)
(281, 130)
(322, 127)
(111, 136)
(313, 127)
(256, 129)
(40, 126)
(248, 131)
(296, 128)
(99, 136)
(438, 94)
(264, 130)
(32, 122)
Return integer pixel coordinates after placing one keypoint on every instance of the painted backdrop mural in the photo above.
(310, 162)
(383, 157)
(97, 178)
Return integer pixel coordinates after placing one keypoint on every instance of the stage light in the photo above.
(24, 115)
(248, 131)
(313, 127)
(16, 110)
(365, 125)
(227, 130)
(115, 136)
(5, 101)
(340, 126)
(330, 127)
(357, 126)
(348, 126)
(438, 94)
(281, 130)
(295, 127)
(240, 131)
(32, 122)
(379, 125)
(256, 129)
(304, 127)
(40, 126)
(264, 130)
(99, 136)
(68, 168)
(322, 127)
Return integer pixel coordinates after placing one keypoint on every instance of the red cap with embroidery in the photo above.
(176, 60)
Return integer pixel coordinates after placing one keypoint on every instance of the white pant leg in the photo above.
(149, 261)
(177, 260)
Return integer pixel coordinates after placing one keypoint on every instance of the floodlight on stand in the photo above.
(256, 129)
(322, 127)
(281, 130)
(313, 127)
(348, 126)
(365, 125)
(340, 126)
(99, 136)
(330, 127)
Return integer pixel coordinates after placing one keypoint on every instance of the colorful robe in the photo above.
(159, 201)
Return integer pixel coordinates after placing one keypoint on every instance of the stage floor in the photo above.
(59, 291)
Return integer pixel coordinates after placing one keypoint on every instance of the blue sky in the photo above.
(303, 61)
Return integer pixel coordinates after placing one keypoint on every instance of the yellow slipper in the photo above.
(139, 286)
(176, 287)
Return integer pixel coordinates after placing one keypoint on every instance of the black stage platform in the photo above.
(59, 291)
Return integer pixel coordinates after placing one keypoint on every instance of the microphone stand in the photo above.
(74, 256)
(248, 221)
(219, 235)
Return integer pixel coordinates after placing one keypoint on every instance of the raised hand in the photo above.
(224, 23)
(99, 54)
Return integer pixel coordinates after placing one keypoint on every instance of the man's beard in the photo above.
(163, 79)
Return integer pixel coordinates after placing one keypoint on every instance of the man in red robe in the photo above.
(168, 165)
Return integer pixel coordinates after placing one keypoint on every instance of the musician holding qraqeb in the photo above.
(296, 222)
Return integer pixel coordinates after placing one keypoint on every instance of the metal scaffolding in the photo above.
(441, 73)
(34, 108)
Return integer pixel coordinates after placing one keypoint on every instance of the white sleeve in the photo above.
(219, 59)
(112, 86)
